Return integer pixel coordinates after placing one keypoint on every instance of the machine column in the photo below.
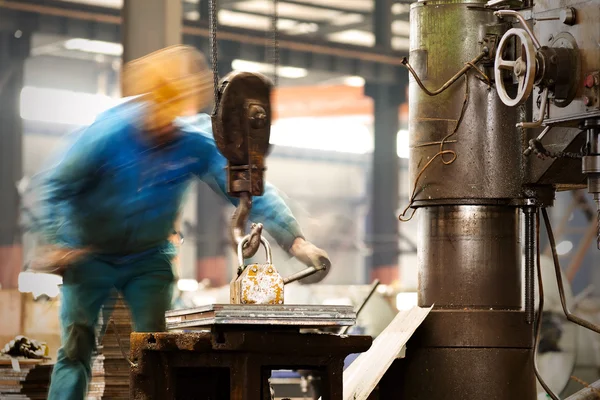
(14, 49)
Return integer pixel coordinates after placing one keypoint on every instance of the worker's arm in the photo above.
(269, 209)
(73, 171)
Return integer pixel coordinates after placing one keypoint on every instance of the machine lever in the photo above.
(323, 265)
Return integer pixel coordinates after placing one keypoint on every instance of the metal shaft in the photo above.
(530, 250)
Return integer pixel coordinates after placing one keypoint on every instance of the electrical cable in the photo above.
(561, 290)
(440, 153)
(461, 72)
(538, 321)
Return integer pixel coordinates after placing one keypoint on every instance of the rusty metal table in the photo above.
(233, 363)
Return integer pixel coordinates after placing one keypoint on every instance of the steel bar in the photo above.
(530, 248)
(588, 393)
(362, 305)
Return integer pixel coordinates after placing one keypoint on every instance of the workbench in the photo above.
(233, 362)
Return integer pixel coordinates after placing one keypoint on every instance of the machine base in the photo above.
(459, 374)
(234, 364)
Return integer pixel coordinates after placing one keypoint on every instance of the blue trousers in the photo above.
(146, 285)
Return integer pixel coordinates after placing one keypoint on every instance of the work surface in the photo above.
(234, 364)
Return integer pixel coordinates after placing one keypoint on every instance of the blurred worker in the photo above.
(110, 204)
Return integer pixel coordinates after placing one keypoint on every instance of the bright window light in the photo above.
(406, 300)
(354, 81)
(327, 134)
(564, 247)
(402, 148)
(284, 72)
(95, 46)
(187, 285)
(39, 284)
(63, 106)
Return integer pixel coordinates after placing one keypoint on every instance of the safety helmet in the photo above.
(173, 82)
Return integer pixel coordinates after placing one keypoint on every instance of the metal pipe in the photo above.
(588, 393)
(301, 275)
(561, 289)
(538, 123)
(446, 85)
(540, 137)
(511, 13)
(530, 249)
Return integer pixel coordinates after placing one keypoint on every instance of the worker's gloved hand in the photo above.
(311, 256)
(54, 259)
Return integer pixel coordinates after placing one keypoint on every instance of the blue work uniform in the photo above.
(117, 193)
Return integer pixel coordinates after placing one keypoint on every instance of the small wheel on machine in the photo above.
(523, 67)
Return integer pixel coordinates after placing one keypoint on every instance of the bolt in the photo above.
(270, 270)
(553, 59)
(587, 101)
(254, 269)
(280, 301)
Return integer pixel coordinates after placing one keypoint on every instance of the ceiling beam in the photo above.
(101, 23)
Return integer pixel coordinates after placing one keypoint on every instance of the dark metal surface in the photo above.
(461, 374)
(233, 365)
(474, 328)
(486, 147)
(469, 257)
(586, 34)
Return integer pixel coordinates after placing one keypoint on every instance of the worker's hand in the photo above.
(54, 259)
(311, 256)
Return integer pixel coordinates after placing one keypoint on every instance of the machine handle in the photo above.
(523, 68)
(324, 264)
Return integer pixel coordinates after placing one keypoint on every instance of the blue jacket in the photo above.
(120, 195)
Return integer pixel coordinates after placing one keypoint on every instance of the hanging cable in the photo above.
(538, 321)
(461, 72)
(561, 290)
(275, 20)
(214, 57)
(441, 153)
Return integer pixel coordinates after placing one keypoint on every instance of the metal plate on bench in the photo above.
(305, 316)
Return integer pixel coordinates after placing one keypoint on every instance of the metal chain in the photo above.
(275, 42)
(214, 59)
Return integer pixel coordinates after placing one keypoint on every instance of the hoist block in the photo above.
(241, 128)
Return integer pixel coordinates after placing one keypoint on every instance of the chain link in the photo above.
(214, 59)
(275, 20)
